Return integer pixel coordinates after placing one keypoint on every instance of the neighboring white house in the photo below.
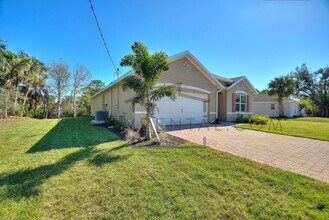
(268, 105)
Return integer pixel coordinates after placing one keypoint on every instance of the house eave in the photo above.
(187, 54)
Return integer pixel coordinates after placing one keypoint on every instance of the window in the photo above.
(272, 106)
(240, 103)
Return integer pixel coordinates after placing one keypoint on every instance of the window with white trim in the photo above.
(272, 106)
(240, 103)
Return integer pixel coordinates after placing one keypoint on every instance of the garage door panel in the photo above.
(187, 108)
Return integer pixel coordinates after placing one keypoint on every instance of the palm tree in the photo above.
(147, 69)
(5, 76)
(283, 87)
(21, 69)
(12, 67)
(35, 76)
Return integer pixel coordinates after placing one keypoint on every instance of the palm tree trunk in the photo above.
(148, 127)
(25, 98)
(6, 104)
(35, 104)
(280, 106)
(15, 99)
(24, 101)
(46, 108)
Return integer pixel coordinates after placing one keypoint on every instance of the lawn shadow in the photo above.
(67, 133)
(73, 132)
(104, 157)
(25, 183)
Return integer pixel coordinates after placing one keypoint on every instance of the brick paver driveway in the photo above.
(300, 155)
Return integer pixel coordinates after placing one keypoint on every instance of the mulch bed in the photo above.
(166, 139)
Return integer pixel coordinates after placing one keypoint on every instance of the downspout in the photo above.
(218, 91)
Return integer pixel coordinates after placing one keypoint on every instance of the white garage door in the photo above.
(187, 108)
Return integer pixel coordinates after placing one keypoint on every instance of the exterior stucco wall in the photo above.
(222, 106)
(96, 104)
(242, 86)
(289, 108)
(260, 108)
(116, 101)
(121, 107)
(183, 72)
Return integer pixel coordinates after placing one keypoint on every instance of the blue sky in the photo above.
(257, 38)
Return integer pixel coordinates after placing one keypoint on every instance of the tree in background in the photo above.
(12, 67)
(263, 91)
(34, 77)
(20, 69)
(24, 87)
(59, 76)
(94, 87)
(307, 105)
(81, 77)
(306, 84)
(283, 87)
(147, 69)
(323, 89)
(315, 87)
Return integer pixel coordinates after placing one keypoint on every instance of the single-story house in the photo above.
(268, 105)
(201, 97)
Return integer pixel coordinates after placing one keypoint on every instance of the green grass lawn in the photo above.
(316, 128)
(68, 169)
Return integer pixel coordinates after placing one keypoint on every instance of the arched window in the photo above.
(240, 102)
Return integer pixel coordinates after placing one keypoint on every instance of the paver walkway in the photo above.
(300, 155)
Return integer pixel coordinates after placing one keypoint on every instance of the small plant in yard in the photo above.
(259, 119)
(242, 119)
(118, 126)
(110, 121)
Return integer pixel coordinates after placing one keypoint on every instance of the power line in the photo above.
(104, 42)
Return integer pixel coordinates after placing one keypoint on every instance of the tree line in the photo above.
(311, 87)
(28, 87)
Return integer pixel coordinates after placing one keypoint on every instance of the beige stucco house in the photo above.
(201, 97)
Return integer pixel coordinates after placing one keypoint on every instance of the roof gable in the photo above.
(198, 65)
(173, 58)
(245, 80)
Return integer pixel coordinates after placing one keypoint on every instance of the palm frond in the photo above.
(163, 91)
(135, 83)
(138, 99)
(128, 60)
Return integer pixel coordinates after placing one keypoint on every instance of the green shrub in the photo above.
(110, 121)
(259, 119)
(242, 119)
(118, 126)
